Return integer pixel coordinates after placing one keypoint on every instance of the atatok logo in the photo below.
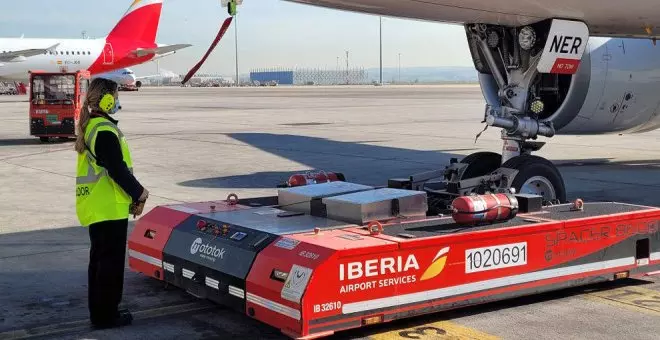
(206, 250)
(195, 246)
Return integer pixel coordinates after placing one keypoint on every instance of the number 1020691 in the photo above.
(495, 257)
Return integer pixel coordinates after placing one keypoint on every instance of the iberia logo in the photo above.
(437, 265)
(400, 270)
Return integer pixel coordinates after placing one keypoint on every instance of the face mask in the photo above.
(116, 108)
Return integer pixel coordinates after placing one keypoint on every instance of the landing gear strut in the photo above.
(510, 61)
(520, 74)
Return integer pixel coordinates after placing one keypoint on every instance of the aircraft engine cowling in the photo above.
(616, 90)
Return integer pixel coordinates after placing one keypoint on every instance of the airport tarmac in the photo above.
(197, 144)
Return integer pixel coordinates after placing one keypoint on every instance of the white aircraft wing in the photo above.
(165, 49)
(13, 55)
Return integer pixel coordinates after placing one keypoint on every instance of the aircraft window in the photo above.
(78, 52)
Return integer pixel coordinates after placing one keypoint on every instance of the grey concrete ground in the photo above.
(200, 144)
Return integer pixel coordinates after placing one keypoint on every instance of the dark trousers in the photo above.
(106, 269)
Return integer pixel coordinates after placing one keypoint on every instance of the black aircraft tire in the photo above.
(481, 164)
(530, 167)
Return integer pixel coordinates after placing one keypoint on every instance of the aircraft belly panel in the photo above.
(607, 18)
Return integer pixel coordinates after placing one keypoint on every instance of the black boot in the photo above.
(123, 318)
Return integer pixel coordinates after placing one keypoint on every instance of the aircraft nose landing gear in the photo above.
(521, 94)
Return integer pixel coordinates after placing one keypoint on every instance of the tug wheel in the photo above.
(481, 164)
(537, 176)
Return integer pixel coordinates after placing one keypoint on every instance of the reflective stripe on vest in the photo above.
(98, 197)
(91, 177)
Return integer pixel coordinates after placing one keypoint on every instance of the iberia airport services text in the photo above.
(377, 267)
(355, 287)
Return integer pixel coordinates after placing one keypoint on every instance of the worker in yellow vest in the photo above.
(107, 193)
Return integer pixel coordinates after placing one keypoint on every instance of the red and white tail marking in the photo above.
(139, 23)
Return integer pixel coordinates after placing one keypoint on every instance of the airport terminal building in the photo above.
(308, 76)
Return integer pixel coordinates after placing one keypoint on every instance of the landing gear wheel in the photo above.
(44, 139)
(481, 164)
(537, 176)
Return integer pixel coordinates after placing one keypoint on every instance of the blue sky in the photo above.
(271, 33)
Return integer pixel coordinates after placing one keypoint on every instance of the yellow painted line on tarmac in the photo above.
(634, 298)
(81, 325)
(441, 330)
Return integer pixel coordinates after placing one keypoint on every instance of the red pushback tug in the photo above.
(321, 258)
(56, 99)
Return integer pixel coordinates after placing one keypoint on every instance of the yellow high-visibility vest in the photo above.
(98, 197)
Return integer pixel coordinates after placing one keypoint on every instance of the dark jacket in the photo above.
(108, 154)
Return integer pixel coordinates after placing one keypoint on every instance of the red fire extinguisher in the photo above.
(489, 208)
(313, 178)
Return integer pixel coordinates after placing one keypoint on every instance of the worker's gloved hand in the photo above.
(137, 207)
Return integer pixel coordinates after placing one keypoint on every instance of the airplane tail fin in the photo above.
(140, 22)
